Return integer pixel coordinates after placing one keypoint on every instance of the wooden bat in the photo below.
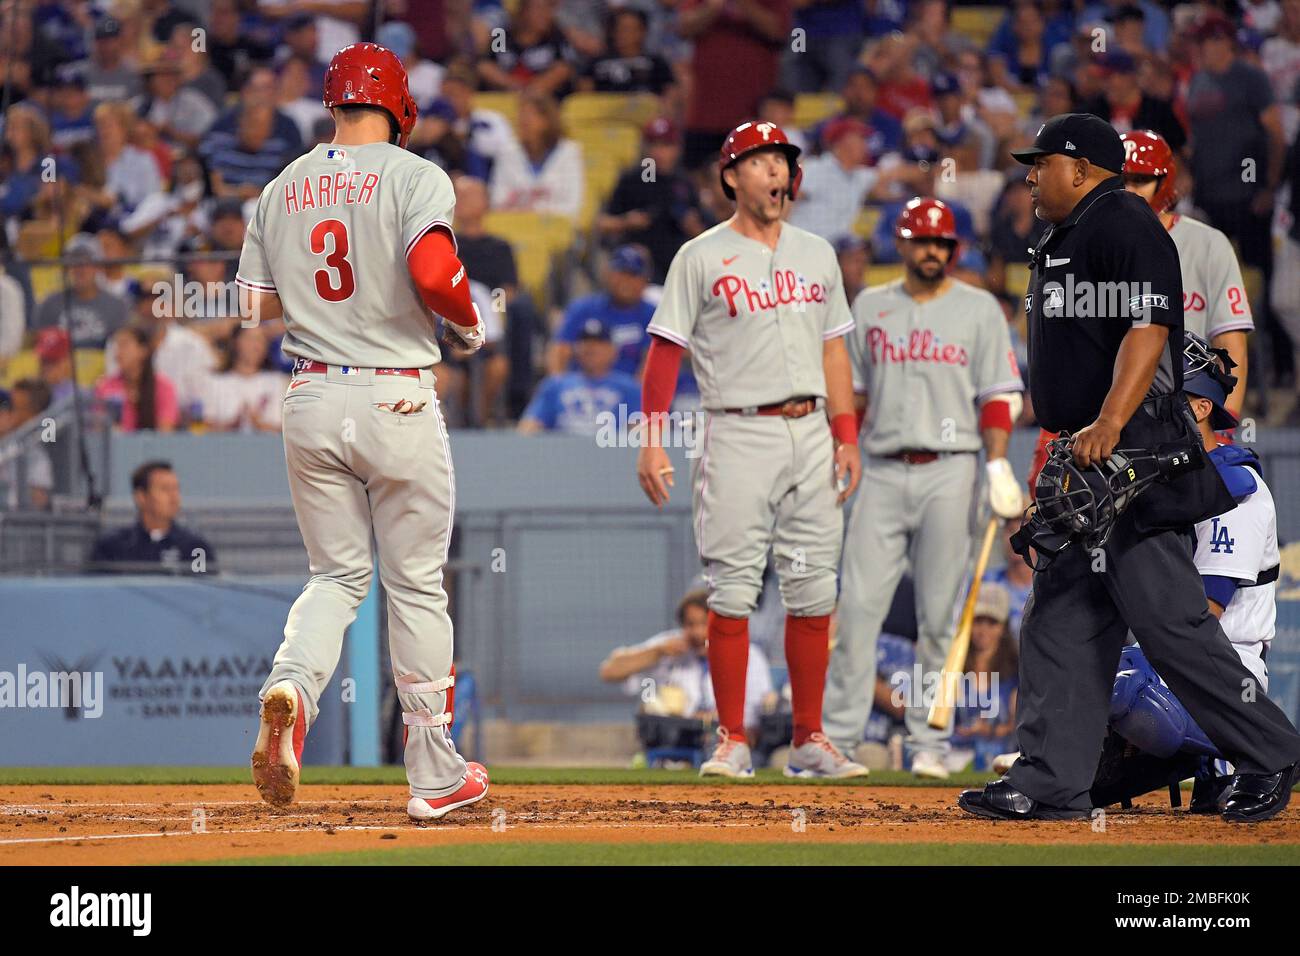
(944, 702)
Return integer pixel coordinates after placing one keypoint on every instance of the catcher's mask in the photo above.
(1074, 503)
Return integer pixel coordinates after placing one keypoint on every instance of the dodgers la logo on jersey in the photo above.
(1220, 541)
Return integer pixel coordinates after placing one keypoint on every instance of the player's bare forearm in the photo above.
(1235, 343)
(839, 378)
(257, 307)
(995, 442)
(1135, 369)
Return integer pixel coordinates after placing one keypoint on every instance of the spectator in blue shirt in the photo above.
(622, 308)
(253, 159)
(833, 30)
(72, 114)
(985, 726)
(586, 401)
(859, 92)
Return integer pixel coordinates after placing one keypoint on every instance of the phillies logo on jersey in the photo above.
(786, 288)
(920, 345)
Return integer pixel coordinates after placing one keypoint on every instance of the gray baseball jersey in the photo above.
(330, 236)
(1214, 297)
(926, 366)
(754, 318)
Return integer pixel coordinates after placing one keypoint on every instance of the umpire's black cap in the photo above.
(1080, 135)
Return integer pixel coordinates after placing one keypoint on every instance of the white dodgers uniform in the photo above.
(926, 368)
(364, 439)
(755, 321)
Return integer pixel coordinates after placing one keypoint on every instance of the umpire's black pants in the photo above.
(1070, 641)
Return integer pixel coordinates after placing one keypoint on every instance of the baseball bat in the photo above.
(944, 702)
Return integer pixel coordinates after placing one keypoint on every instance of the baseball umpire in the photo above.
(352, 242)
(1105, 341)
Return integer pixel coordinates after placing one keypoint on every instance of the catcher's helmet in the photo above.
(1147, 154)
(754, 135)
(1074, 503)
(1207, 373)
(366, 74)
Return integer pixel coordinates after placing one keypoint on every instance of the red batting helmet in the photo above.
(753, 135)
(366, 74)
(1147, 154)
(926, 219)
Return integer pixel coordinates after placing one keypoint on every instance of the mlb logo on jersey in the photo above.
(349, 370)
(335, 153)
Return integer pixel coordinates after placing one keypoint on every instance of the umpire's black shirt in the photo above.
(1107, 266)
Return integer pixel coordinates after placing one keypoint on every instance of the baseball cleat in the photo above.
(277, 755)
(730, 758)
(1003, 762)
(818, 757)
(929, 766)
(474, 789)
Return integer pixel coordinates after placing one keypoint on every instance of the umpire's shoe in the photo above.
(1259, 796)
(1001, 801)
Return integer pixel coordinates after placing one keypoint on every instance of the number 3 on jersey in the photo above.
(336, 261)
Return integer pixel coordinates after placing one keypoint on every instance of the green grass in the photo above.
(786, 854)
(510, 776)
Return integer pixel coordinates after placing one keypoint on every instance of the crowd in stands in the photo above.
(136, 137)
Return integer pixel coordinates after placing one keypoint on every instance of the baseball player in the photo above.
(760, 305)
(353, 244)
(1214, 296)
(1238, 559)
(937, 379)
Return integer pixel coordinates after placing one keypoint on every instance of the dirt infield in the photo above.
(115, 824)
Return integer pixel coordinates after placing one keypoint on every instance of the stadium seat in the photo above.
(878, 275)
(597, 110)
(977, 23)
(1025, 102)
(811, 108)
(865, 225)
(25, 364)
(1017, 281)
(507, 104)
(537, 239)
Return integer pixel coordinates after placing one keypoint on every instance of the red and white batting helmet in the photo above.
(1147, 154)
(925, 218)
(366, 74)
(754, 135)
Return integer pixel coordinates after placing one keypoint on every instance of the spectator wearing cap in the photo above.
(536, 57)
(986, 727)
(836, 183)
(585, 401)
(1236, 125)
(544, 171)
(622, 310)
(1129, 28)
(28, 481)
(854, 257)
(136, 397)
(299, 97)
(957, 117)
(54, 357)
(179, 113)
(735, 58)
(833, 30)
(860, 92)
(131, 175)
(92, 313)
(114, 246)
(660, 214)
(467, 138)
(627, 66)
(156, 538)
(27, 142)
(109, 78)
(1127, 108)
(423, 76)
(1155, 21)
(71, 113)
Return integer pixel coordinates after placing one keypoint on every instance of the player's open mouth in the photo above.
(775, 192)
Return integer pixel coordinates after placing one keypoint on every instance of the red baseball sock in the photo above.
(807, 651)
(728, 664)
